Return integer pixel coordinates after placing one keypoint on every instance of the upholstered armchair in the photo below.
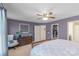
(11, 41)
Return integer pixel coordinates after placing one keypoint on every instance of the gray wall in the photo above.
(62, 27)
(13, 27)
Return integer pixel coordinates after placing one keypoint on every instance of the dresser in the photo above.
(25, 40)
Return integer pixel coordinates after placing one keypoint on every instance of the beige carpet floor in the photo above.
(20, 51)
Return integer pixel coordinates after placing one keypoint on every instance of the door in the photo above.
(54, 31)
(40, 33)
(76, 32)
(37, 33)
(43, 32)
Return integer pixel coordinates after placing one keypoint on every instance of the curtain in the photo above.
(3, 32)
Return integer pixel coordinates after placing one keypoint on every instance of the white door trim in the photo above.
(57, 29)
(39, 33)
(68, 29)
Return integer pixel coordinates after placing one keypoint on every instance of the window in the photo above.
(24, 28)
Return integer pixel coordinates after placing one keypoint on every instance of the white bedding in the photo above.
(57, 47)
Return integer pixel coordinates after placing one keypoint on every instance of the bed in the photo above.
(58, 47)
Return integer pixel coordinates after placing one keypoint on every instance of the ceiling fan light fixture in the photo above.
(45, 18)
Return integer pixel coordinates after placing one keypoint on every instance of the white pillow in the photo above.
(10, 37)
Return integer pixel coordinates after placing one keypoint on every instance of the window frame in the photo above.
(20, 28)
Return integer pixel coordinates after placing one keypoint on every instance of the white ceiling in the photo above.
(27, 11)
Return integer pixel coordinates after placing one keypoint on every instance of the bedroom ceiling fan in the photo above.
(46, 15)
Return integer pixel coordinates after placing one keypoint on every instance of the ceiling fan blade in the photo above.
(51, 17)
(38, 14)
(39, 18)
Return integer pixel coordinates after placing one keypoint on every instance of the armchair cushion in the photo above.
(13, 43)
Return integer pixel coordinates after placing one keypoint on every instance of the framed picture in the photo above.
(24, 28)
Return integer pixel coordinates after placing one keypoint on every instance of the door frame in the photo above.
(52, 32)
(39, 26)
(68, 30)
(74, 32)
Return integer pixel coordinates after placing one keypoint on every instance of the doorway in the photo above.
(73, 31)
(54, 31)
(76, 31)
